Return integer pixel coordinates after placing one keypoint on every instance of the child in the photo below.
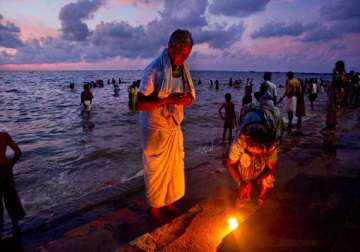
(86, 99)
(253, 155)
(247, 99)
(229, 117)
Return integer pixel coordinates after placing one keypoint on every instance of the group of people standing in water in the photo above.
(165, 89)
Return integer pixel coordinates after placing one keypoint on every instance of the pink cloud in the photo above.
(115, 64)
(35, 29)
(275, 47)
(149, 4)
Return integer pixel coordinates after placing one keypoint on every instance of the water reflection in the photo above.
(86, 123)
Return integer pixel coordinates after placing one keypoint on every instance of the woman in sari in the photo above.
(336, 94)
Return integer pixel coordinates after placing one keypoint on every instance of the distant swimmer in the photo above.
(72, 85)
(86, 99)
(8, 193)
(116, 90)
(216, 84)
(229, 116)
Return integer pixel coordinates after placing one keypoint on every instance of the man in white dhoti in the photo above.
(165, 89)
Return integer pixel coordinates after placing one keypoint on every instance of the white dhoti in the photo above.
(291, 104)
(162, 138)
(163, 157)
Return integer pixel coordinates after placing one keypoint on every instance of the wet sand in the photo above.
(311, 165)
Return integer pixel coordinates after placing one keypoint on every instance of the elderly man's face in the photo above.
(179, 53)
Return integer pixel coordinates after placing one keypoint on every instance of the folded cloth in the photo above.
(163, 158)
(166, 87)
(87, 105)
(291, 104)
(157, 81)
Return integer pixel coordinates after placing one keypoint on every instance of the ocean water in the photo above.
(66, 155)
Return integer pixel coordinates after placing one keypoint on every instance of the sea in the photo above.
(67, 155)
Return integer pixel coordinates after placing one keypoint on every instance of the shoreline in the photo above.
(39, 231)
(131, 217)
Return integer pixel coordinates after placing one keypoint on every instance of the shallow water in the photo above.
(66, 156)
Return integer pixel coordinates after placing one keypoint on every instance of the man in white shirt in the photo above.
(271, 90)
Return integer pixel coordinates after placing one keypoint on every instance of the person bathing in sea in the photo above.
(86, 99)
(229, 117)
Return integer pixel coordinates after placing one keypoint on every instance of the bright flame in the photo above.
(233, 223)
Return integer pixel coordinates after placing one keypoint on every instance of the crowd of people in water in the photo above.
(160, 101)
(87, 96)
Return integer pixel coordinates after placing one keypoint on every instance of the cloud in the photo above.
(72, 16)
(237, 8)
(321, 33)
(220, 37)
(340, 10)
(120, 39)
(9, 34)
(279, 29)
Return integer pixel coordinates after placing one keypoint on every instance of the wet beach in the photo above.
(79, 172)
(66, 156)
(314, 207)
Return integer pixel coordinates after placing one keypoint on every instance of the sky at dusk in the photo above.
(243, 35)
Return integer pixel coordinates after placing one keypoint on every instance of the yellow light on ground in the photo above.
(233, 223)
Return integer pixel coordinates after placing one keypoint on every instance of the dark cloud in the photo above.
(237, 8)
(335, 30)
(343, 17)
(9, 34)
(72, 16)
(340, 10)
(45, 50)
(278, 29)
(220, 37)
(120, 39)
(321, 33)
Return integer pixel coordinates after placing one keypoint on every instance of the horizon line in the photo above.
(196, 70)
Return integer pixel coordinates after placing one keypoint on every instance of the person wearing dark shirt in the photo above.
(247, 99)
(86, 99)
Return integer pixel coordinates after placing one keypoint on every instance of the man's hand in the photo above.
(179, 99)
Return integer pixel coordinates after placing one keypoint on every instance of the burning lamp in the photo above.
(233, 223)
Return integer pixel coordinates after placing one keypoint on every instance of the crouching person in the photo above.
(253, 155)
